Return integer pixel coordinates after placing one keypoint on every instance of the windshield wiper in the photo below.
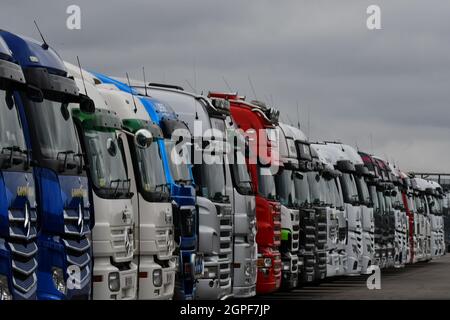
(117, 182)
(14, 160)
(66, 155)
(184, 181)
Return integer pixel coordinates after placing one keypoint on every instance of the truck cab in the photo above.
(141, 140)
(258, 123)
(63, 206)
(408, 204)
(113, 236)
(244, 208)
(385, 192)
(18, 216)
(285, 181)
(213, 179)
(180, 181)
(336, 223)
(400, 233)
(348, 183)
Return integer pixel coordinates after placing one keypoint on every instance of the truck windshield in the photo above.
(334, 193)
(266, 184)
(388, 204)
(242, 178)
(178, 163)
(11, 134)
(397, 200)
(325, 192)
(286, 189)
(106, 162)
(363, 191)
(314, 187)
(302, 189)
(349, 188)
(381, 202)
(374, 199)
(151, 168)
(418, 204)
(211, 179)
(54, 129)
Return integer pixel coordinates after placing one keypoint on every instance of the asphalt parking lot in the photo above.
(420, 281)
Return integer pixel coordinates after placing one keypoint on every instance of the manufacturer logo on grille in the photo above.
(27, 223)
(80, 221)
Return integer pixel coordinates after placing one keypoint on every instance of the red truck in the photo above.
(258, 123)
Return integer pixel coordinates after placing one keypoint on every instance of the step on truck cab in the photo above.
(63, 206)
(285, 181)
(18, 216)
(258, 123)
(354, 246)
(142, 139)
(213, 180)
(336, 222)
(113, 236)
(182, 189)
(245, 249)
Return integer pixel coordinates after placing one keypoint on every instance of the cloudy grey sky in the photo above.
(392, 84)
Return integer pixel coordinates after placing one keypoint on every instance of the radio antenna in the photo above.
(298, 116)
(81, 73)
(131, 91)
(190, 86)
(44, 44)
(145, 82)
(252, 87)
(227, 84)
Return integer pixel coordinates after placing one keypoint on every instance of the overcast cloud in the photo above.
(392, 84)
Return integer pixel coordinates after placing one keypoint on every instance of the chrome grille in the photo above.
(226, 245)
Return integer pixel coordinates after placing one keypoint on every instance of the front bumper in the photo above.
(127, 279)
(147, 290)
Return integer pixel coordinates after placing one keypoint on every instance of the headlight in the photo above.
(157, 278)
(4, 290)
(114, 281)
(211, 272)
(58, 280)
(248, 269)
(264, 262)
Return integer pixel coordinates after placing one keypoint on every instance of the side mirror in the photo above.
(86, 104)
(35, 94)
(143, 138)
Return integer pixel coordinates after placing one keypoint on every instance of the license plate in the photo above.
(128, 282)
(169, 277)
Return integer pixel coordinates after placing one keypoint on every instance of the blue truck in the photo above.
(18, 233)
(182, 190)
(63, 206)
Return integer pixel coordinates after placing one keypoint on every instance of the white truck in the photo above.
(114, 272)
(154, 223)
